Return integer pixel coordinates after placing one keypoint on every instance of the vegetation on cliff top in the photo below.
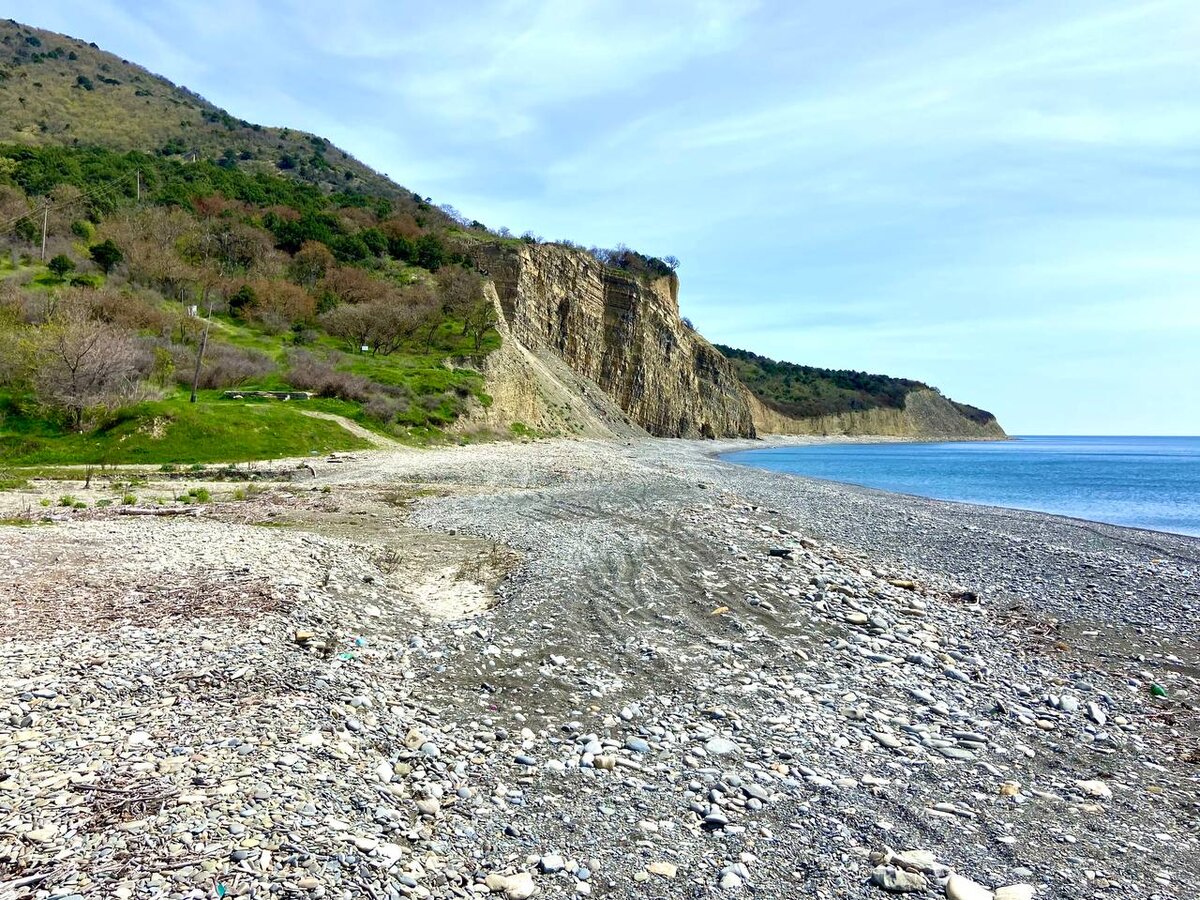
(805, 392)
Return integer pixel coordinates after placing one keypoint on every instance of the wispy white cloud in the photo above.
(496, 65)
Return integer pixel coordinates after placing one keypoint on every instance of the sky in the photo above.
(1001, 199)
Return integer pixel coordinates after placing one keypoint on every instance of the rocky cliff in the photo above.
(534, 391)
(592, 351)
(622, 334)
(926, 415)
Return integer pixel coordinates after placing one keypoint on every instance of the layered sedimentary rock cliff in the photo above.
(621, 333)
(926, 415)
(592, 351)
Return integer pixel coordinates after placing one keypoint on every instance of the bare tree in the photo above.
(459, 289)
(150, 238)
(406, 314)
(480, 320)
(352, 323)
(347, 284)
(463, 298)
(210, 295)
(384, 325)
(82, 368)
(228, 247)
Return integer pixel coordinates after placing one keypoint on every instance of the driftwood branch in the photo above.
(27, 881)
(160, 510)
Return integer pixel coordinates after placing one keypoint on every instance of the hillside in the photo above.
(810, 393)
(213, 257)
(210, 279)
(62, 91)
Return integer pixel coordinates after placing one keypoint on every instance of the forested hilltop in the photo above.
(806, 392)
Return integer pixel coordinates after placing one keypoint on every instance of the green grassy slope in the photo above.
(175, 431)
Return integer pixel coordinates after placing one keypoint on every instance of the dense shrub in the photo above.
(310, 264)
(126, 310)
(309, 372)
(61, 265)
(106, 255)
(385, 408)
(382, 402)
(240, 300)
(637, 264)
(279, 305)
(225, 366)
(346, 284)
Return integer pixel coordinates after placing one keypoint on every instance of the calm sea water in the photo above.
(1143, 482)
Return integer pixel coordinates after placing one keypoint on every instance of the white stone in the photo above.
(662, 868)
(959, 888)
(519, 886)
(1095, 788)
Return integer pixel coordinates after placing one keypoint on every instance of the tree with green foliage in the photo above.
(310, 264)
(430, 252)
(240, 300)
(375, 240)
(402, 248)
(106, 255)
(61, 265)
(27, 230)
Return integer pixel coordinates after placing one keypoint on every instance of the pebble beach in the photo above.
(584, 668)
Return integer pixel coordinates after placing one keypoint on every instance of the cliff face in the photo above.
(594, 352)
(621, 334)
(534, 390)
(926, 415)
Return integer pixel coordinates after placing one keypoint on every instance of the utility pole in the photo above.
(45, 222)
(203, 346)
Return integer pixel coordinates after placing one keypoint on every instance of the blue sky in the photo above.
(1002, 198)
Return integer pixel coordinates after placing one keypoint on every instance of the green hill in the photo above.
(805, 392)
(159, 206)
(58, 90)
(164, 248)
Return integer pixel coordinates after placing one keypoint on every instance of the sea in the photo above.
(1140, 482)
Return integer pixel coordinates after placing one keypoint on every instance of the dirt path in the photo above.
(378, 441)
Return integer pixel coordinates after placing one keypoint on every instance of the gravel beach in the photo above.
(573, 668)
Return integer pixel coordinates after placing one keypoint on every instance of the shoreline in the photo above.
(617, 665)
(1153, 532)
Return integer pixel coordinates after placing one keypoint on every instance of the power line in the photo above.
(91, 193)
